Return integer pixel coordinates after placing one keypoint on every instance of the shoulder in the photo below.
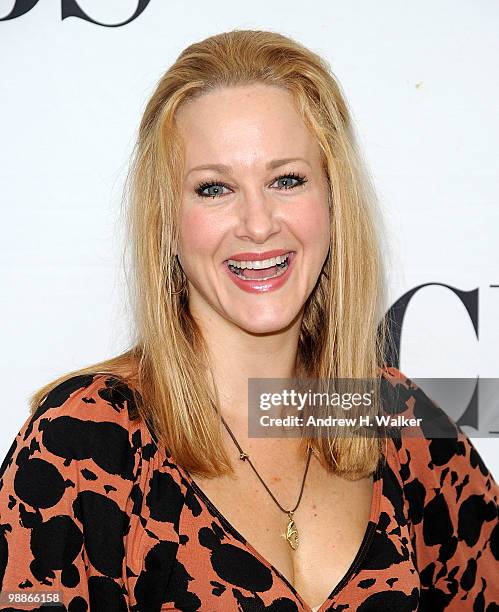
(438, 458)
(79, 394)
(401, 396)
(436, 430)
(89, 418)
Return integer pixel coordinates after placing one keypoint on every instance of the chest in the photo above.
(331, 521)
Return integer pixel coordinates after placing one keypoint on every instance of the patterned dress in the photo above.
(96, 514)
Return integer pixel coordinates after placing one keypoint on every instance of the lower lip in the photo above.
(262, 286)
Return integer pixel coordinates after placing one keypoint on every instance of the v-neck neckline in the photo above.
(373, 522)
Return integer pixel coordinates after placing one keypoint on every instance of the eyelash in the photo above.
(293, 175)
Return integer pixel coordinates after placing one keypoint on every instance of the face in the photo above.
(254, 217)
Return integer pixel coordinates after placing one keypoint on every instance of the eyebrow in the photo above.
(271, 165)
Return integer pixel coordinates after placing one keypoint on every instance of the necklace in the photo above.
(291, 534)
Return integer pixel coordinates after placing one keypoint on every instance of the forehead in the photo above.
(243, 123)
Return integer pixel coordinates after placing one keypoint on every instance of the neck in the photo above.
(237, 355)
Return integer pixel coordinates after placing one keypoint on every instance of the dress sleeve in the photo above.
(452, 507)
(65, 487)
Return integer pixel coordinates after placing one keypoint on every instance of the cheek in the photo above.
(199, 234)
(311, 223)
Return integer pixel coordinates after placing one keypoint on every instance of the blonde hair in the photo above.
(344, 332)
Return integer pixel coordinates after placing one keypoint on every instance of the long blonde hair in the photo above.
(344, 332)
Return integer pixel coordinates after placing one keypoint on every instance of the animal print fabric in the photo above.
(93, 507)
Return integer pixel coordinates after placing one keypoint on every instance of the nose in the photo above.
(257, 218)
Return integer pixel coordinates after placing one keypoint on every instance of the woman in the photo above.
(134, 484)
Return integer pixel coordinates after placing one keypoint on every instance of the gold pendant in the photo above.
(292, 533)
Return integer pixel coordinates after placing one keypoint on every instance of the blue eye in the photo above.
(286, 180)
(214, 189)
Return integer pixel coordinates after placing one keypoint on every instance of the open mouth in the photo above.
(260, 270)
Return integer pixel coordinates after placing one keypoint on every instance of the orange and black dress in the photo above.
(94, 511)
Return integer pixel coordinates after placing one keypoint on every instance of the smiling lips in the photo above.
(262, 269)
(257, 272)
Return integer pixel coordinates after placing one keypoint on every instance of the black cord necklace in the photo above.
(291, 534)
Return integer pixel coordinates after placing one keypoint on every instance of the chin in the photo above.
(265, 324)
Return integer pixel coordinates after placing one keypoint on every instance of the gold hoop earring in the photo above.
(181, 273)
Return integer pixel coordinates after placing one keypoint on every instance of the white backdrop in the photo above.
(421, 82)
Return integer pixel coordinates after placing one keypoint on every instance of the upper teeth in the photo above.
(258, 264)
